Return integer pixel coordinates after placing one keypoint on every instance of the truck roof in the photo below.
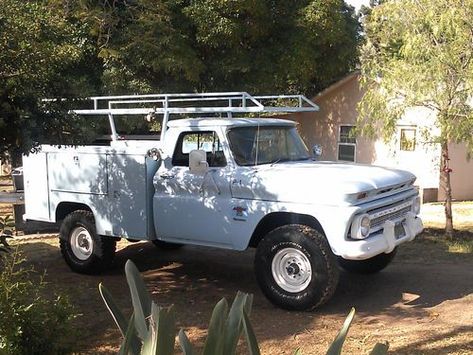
(229, 122)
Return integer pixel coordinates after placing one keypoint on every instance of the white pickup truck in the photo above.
(229, 182)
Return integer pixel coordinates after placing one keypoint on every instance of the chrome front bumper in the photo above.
(383, 242)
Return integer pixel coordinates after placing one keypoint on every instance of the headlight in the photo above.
(416, 206)
(365, 225)
(360, 227)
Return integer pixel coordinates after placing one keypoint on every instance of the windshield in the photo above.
(266, 145)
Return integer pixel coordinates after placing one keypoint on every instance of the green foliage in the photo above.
(42, 55)
(30, 322)
(151, 329)
(213, 45)
(56, 49)
(7, 225)
(419, 53)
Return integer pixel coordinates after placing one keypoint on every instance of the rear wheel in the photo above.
(368, 266)
(296, 268)
(83, 250)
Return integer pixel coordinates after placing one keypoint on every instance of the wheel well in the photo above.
(278, 219)
(64, 208)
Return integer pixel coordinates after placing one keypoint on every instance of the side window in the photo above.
(408, 139)
(207, 141)
(346, 144)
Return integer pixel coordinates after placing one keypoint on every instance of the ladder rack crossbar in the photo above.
(163, 101)
(192, 110)
(195, 103)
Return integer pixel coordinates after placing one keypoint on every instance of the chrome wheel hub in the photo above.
(291, 270)
(81, 243)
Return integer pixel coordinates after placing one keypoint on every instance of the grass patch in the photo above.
(432, 247)
(462, 241)
(433, 215)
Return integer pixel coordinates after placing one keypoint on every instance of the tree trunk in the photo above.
(447, 187)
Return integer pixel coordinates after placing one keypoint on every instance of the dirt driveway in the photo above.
(422, 303)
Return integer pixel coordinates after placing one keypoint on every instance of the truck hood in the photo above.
(324, 182)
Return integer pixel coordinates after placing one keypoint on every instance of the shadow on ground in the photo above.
(194, 279)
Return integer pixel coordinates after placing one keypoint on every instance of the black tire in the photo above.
(83, 250)
(309, 247)
(166, 245)
(368, 266)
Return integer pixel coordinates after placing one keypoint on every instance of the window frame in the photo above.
(340, 143)
(179, 146)
(407, 128)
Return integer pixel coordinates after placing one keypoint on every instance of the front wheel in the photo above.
(83, 250)
(368, 266)
(296, 268)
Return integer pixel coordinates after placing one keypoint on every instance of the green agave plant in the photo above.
(151, 329)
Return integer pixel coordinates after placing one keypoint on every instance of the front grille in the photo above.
(393, 216)
(395, 212)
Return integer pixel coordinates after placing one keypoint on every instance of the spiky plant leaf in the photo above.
(214, 342)
(140, 298)
(336, 347)
(120, 320)
(166, 326)
(248, 304)
(250, 336)
(126, 347)
(150, 342)
(185, 344)
(233, 325)
(112, 307)
(380, 349)
(298, 352)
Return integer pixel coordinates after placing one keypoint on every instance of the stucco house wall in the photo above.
(338, 107)
(462, 173)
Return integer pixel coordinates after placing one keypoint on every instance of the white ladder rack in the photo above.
(210, 103)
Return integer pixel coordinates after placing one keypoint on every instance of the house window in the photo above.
(347, 143)
(408, 139)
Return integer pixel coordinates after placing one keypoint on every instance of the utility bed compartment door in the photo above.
(130, 195)
(78, 172)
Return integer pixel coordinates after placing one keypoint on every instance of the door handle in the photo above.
(167, 176)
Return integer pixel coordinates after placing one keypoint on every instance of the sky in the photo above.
(357, 3)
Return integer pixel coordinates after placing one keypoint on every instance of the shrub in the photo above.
(31, 323)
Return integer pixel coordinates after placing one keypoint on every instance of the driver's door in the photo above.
(189, 207)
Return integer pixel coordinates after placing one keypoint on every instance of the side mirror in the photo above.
(317, 150)
(198, 161)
